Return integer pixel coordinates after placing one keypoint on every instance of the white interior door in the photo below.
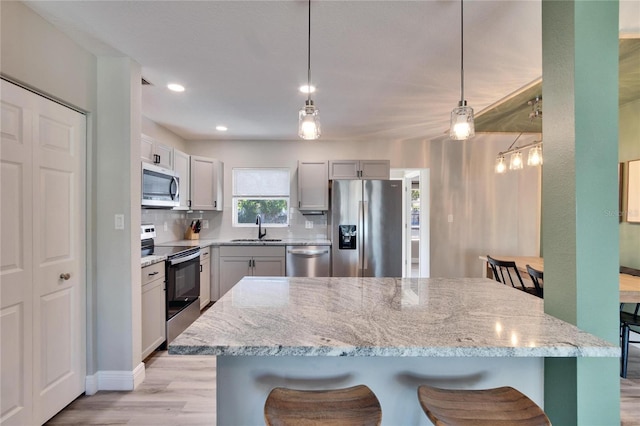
(56, 218)
(16, 270)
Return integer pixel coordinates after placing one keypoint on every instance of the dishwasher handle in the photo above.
(304, 252)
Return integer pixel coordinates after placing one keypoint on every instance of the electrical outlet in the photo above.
(450, 218)
(205, 224)
(166, 227)
(308, 224)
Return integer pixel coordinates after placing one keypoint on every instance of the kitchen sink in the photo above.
(255, 240)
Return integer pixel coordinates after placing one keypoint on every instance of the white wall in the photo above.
(492, 214)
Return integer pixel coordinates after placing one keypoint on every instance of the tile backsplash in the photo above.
(172, 224)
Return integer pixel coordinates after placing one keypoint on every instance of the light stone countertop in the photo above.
(437, 317)
(204, 242)
(151, 260)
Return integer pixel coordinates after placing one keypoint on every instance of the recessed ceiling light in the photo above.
(221, 128)
(175, 87)
(305, 89)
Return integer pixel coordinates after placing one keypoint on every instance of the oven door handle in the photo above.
(183, 259)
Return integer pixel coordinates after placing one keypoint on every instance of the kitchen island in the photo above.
(390, 334)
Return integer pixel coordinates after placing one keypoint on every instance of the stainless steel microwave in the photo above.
(160, 187)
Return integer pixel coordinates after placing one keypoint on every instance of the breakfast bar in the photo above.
(391, 334)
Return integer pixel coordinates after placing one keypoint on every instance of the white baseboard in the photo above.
(114, 380)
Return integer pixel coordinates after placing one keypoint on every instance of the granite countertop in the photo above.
(204, 242)
(150, 260)
(436, 317)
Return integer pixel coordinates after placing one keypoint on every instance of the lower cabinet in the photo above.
(237, 262)
(205, 277)
(153, 308)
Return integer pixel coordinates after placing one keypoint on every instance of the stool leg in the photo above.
(625, 351)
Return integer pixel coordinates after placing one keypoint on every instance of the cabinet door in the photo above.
(181, 166)
(202, 183)
(344, 169)
(313, 186)
(153, 316)
(205, 278)
(218, 185)
(375, 169)
(232, 270)
(268, 267)
(146, 149)
(164, 155)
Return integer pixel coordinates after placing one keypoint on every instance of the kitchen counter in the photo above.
(391, 334)
(205, 242)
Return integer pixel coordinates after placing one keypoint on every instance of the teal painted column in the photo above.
(579, 190)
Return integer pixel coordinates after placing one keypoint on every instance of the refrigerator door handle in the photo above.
(364, 209)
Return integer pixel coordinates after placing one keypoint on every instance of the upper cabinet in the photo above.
(359, 169)
(155, 152)
(181, 166)
(206, 183)
(313, 187)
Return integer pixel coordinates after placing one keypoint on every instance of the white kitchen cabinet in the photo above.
(313, 186)
(237, 262)
(207, 183)
(181, 166)
(205, 277)
(153, 308)
(156, 152)
(359, 169)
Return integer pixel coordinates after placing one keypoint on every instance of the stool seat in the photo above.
(356, 405)
(486, 407)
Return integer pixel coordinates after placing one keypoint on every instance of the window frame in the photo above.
(259, 196)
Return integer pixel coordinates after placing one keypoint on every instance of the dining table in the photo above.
(629, 284)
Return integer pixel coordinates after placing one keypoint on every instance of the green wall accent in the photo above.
(580, 240)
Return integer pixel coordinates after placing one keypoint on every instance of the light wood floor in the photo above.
(180, 391)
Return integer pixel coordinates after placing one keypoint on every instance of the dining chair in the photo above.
(537, 280)
(504, 406)
(354, 406)
(503, 269)
(627, 320)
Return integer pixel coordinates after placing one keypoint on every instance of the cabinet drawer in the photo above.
(204, 254)
(252, 251)
(152, 272)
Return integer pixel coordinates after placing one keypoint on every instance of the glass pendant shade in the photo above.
(462, 126)
(501, 165)
(535, 156)
(515, 162)
(309, 122)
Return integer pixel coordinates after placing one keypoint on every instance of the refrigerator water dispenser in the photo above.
(347, 238)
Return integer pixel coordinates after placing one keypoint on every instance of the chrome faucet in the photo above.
(259, 223)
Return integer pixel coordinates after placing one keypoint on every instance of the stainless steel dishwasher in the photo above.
(308, 261)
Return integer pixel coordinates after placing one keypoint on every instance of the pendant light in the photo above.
(308, 120)
(462, 126)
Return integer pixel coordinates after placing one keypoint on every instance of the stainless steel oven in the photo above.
(182, 275)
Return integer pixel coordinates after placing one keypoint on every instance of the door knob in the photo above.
(65, 276)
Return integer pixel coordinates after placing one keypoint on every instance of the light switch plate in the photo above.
(205, 224)
(308, 224)
(119, 221)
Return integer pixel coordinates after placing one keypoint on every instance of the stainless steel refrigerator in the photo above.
(366, 228)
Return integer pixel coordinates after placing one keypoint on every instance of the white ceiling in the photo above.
(385, 70)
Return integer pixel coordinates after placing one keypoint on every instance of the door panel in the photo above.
(16, 264)
(43, 207)
(58, 231)
(268, 267)
(232, 270)
(382, 233)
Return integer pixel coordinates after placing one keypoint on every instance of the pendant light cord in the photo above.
(309, 57)
(461, 52)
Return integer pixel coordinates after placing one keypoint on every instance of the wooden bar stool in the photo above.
(504, 406)
(356, 405)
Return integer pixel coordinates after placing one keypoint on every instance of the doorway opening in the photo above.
(415, 221)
